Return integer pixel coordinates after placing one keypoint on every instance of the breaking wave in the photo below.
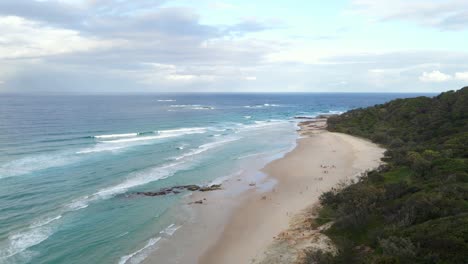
(262, 105)
(117, 136)
(141, 254)
(193, 107)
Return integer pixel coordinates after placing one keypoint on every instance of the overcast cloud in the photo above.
(84, 46)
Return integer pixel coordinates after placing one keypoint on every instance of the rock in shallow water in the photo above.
(179, 189)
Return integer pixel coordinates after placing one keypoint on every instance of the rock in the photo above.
(192, 187)
(210, 188)
(252, 184)
(179, 189)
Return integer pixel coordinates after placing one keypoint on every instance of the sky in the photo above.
(130, 46)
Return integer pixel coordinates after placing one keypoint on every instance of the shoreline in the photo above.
(248, 221)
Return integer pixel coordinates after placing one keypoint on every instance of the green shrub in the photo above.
(414, 209)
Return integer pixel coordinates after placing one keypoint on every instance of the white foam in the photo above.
(251, 155)
(194, 107)
(117, 135)
(206, 147)
(162, 134)
(262, 106)
(222, 179)
(183, 131)
(100, 148)
(79, 203)
(262, 124)
(45, 221)
(335, 112)
(21, 241)
(139, 255)
(136, 139)
(247, 117)
(166, 100)
(170, 230)
(118, 142)
(33, 163)
(203, 108)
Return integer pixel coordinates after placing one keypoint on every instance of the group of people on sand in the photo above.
(326, 167)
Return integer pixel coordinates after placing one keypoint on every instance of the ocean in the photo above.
(69, 165)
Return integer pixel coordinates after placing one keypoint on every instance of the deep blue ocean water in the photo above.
(69, 163)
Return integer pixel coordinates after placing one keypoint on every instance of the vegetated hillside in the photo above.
(415, 208)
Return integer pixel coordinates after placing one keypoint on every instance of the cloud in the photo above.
(252, 25)
(437, 76)
(222, 6)
(434, 76)
(22, 38)
(148, 45)
(445, 15)
(463, 76)
(54, 12)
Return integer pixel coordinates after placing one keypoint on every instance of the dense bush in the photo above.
(414, 209)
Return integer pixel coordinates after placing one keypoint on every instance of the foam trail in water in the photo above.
(193, 107)
(205, 147)
(117, 135)
(19, 242)
(139, 255)
(100, 148)
(262, 105)
(262, 124)
(222, 179)
(119, 143)
(163, 134)
(183, 131)
(170, 230)
(136, 139)
(45, 221)
(34, 163)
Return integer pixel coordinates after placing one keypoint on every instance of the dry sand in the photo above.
(320, 161)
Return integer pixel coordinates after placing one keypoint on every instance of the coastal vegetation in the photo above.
(414, 208)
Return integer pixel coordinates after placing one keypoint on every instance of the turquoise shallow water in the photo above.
(69, 164)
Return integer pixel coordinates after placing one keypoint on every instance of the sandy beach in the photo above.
(248, 225)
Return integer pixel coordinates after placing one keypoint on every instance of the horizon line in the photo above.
(210, 92)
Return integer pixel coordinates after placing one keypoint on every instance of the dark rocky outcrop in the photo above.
(303, 117)
(180, 188)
